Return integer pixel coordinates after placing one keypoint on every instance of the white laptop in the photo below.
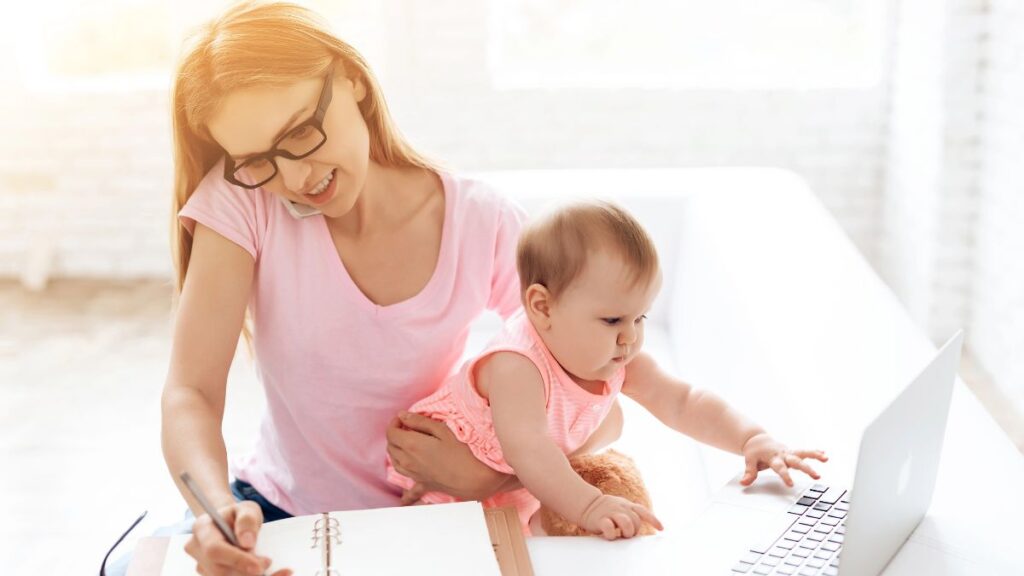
(771, 529)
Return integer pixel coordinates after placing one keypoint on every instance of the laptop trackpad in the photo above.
(724, 533)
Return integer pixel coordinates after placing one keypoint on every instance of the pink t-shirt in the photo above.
(336, 367)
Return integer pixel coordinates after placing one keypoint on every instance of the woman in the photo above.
(352, 265)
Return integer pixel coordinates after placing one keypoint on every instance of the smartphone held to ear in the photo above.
(299, 211)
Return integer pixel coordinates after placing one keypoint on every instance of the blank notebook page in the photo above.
(442, 539)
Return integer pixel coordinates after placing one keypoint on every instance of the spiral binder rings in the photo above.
(449, 539)
(326, 535)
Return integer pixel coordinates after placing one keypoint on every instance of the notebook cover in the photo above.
(502, 524)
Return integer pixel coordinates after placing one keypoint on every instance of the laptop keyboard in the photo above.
(811, 544)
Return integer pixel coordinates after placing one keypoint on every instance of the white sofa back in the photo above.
(658, 198)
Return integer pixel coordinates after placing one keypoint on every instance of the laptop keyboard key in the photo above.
(750, 558)
(762, 570)
(741, 568)
(832, 495)
(805, 501)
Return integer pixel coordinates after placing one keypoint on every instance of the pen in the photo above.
(217, 519)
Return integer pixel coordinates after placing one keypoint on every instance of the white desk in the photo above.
(775, 310)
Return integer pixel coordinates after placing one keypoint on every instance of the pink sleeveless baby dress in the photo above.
(573, 414)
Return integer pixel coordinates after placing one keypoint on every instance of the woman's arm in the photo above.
(209, 318)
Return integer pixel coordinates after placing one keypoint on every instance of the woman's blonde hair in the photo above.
(261, 44)
(554, 247)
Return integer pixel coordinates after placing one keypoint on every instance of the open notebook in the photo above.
(450, 539)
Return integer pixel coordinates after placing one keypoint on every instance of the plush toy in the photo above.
(612, 473)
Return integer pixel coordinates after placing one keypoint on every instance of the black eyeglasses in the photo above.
(298, 143)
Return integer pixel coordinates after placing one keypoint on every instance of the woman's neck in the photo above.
(379, 202)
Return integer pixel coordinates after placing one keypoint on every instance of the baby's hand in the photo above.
(762, 451)
(614, 517)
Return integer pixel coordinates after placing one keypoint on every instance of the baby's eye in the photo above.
(611, 321)
(641, 318)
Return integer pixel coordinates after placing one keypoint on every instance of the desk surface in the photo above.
(777, 311)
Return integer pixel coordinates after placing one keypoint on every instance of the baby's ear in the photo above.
(537, 302)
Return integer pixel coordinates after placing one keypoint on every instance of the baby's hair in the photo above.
(554, 247)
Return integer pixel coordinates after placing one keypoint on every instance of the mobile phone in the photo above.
(299, 211)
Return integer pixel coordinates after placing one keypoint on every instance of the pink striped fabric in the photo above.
(573, 414)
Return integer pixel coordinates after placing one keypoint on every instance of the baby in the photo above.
(589, 273)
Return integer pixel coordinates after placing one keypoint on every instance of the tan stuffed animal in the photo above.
(612, 473)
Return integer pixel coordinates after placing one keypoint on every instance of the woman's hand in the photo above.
(426, 451)
(215, 556)
(762, 451)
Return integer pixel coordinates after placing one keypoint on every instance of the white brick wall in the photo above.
(952, 207)
(931, 194)
(997, 300)
(922, 171)
(91, 171)
(87, 175)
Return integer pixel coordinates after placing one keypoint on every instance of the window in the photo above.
(758, 44)
(122, 44)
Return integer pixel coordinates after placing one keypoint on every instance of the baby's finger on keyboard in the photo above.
(780, 468)
(816, 454)
(793, 461)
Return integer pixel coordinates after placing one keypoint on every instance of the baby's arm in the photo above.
(515, 390)
(705, 417)
(698, 413)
